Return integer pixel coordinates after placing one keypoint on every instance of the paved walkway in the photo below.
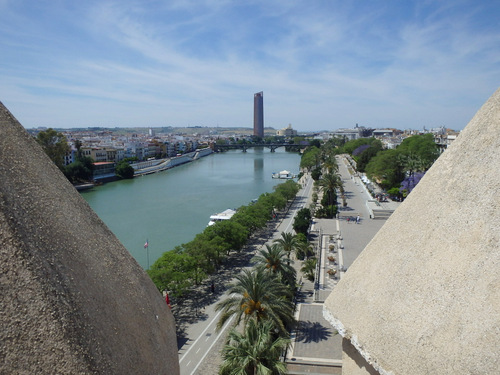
(316, 347)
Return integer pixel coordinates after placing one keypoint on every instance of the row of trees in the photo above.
(191, 263)
(262, 302)
(396, 170)
(320, 161)
(261, 299)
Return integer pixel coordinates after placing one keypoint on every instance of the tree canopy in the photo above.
(310, 158)
(385, 168)
(55, 146)
(353, 144)
(367, 154)
(124, 170)
(415, 154)
(173, 271)
(275, 260)
(258, 295)
(302, 221)
(205, 253)
(423, 147)
(81, 170)
(256, 351)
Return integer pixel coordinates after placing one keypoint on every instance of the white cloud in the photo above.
(320, 64)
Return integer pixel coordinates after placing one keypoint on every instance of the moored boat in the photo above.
(284, 175)
(224, 215)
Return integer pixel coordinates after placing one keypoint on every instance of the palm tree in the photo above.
(257, 295)
(309, 268)
(330, 163)
(276, 261)
(304, 250)
(329, 183)
(256, 352)
(287, 242)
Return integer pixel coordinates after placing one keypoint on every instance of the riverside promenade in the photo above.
(316, 347)
(198, 340)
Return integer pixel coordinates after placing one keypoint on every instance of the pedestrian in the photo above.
(348, 220)
(357, 219)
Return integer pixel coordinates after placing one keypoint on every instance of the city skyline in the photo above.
(324, 65)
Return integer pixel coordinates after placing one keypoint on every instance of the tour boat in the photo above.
(284, 175)
(225, 215)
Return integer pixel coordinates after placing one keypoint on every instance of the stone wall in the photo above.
(73, 299)
(424, 295)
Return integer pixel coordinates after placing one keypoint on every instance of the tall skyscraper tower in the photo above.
(258, 114)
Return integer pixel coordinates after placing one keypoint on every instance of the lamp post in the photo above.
(146, 246)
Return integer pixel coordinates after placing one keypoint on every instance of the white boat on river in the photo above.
(225, 215)
(284, 175)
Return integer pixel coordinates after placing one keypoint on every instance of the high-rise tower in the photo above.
(258, 114)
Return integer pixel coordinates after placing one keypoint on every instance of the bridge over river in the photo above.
(246, 146)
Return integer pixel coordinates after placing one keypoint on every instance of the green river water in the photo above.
(169, 208)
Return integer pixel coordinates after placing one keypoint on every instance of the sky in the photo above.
(322, 65)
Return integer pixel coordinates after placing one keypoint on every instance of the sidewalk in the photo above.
(355, 236)
(316, 346)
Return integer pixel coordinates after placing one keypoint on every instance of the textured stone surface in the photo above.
(73, 301)
(352, 361)
(424, 295)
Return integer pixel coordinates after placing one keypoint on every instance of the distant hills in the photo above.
(189, 130)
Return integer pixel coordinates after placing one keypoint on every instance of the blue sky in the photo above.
(321, 64)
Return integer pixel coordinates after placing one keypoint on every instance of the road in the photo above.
(202, 337)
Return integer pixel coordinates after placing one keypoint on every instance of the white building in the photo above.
(287, 132)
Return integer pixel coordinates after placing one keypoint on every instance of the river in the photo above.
(169, 208)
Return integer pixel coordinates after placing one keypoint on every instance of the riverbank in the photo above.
(170, 208)
(159, 165)
(190, 308)
(197, 353)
